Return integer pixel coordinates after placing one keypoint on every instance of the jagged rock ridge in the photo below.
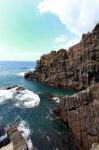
(76, 68)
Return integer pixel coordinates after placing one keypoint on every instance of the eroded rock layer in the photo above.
(76, 68)
(81, 113)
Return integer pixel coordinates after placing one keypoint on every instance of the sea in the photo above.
(31, 108)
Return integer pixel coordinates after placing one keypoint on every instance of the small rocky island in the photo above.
(77, 68)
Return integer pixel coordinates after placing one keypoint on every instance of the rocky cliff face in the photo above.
(76, 68)
(81, 113)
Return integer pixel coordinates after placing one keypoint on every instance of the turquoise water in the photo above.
(40, 126)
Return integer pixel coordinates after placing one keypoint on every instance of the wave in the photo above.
(26, 133)
(56, 99)
(23, 73)
(2, 138)
(21, 97)
(31, 69)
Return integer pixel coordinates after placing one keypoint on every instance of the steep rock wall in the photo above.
(81, 113)
(76, 68)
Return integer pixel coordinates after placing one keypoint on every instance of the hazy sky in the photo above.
(30, 28)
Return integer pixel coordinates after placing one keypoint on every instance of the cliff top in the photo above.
(96, 27)
(73, 50)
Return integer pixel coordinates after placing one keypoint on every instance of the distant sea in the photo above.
(31, 109)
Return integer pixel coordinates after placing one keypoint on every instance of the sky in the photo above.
(31, 28)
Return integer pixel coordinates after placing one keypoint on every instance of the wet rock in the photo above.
(28, 74)
(81, 113)
(17, 139)
(11, 87)
(18, 88)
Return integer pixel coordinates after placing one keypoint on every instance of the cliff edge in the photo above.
(76, 68)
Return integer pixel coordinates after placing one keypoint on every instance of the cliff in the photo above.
(76, 68)
(81, 113)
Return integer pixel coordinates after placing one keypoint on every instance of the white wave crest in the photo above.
(21, 74)
(32, 69)
(26, 133)
(21, 98)
(56, 99)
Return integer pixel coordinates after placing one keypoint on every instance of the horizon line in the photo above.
(20, 60)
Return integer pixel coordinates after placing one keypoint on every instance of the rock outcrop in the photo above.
(81, 113)
(14, 140)
(17, 139)
(95, 146)
(76, 68)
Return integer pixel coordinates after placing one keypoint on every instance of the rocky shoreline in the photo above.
(77, 68)
(81, 113)
(15, 140)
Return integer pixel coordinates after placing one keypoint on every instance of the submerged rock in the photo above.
(76, 68)
(81, 113)
(11, 87)
(18, 88)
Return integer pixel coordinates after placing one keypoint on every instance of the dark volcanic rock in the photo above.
(81, 113)
(18, 88)
(11, 87)
(76, 68)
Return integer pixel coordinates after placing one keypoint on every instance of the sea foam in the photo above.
(56, 99)
(21, 98)
(26, 133)
(23, 73)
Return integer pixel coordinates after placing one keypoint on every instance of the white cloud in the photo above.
(71, 42)
(60, 39)
(79, 16)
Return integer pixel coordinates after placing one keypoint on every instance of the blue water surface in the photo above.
(47, 132)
